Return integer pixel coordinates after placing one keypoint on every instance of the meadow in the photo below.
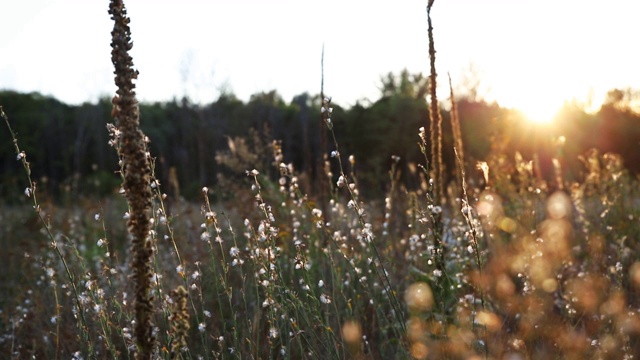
(496, 262)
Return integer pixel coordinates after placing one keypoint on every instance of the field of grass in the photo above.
(504, 267)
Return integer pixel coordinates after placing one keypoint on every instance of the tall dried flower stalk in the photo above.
(457, 135)
(137, 176)
(436, 148)
(436, 119)
(324, 189)
(179, 321)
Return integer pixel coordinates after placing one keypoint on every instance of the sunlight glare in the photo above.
(540, 107)
(539, 112)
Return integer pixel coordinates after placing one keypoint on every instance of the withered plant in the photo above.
(136, 167)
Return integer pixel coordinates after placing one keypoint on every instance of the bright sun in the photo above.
(536, 106)
(539, 112)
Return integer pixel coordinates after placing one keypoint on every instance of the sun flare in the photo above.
(536, 106)
(539, 112)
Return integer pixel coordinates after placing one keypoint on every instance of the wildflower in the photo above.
(273, 333)
(205, 190)
(341, 181)
(253, 172)
(27, 192)
(423, 134)
(201, 327)
(100, 242)
(334, 153)
(21, 156)
(237, 262)
(325, 299)
(97, 217)
(320, 283)
(234, 251)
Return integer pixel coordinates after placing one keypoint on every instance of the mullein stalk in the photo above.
(435, 118)
(179, 322)
(436, 148)
(137, 177)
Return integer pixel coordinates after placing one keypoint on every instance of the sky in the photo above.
(531, 55)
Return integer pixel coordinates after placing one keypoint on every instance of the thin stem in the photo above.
(384, 278)
(31, 192)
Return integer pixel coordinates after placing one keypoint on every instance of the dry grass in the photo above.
(508, 270)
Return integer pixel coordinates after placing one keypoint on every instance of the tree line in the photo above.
(195, 145)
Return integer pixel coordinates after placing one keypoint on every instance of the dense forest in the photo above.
(196, 145)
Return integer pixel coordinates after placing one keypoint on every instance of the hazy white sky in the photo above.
(528, 54)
